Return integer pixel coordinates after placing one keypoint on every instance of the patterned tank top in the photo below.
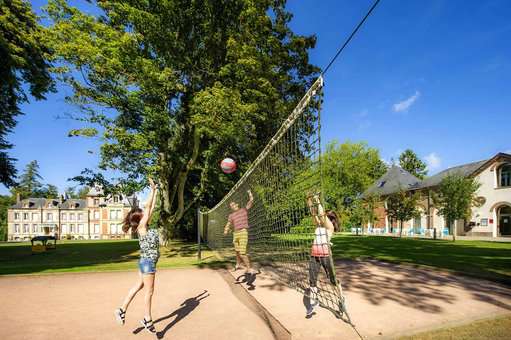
(150, 245)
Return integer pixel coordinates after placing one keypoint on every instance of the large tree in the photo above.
(409, 161)
(455, 198)
(23, 71)
(174, 86)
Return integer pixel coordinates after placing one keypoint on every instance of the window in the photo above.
(34, 228)
(26, 216)
(505, 175)
(35, 217)
(64, 217)
(17, 229)
(80, 217)
(96, 202)
(26, 230)
(64, 229)
(484, 222)
(71, 228)
(16, 216)
(71, 216)
(116, 199)
(115, 214)
(80, 228)
(115, 228)
(96, 214)
(96, 228)
(49, 216)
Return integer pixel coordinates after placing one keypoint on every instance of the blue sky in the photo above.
(433, 76)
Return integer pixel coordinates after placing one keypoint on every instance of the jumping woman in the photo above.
(321, 257)
(137, 220)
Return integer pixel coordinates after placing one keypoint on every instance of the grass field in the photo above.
(80, 256)
(499, 328)
(490, 260)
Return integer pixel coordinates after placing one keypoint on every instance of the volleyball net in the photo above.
(281, 232)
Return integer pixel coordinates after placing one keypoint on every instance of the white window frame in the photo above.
(96, 228)
(17, 228)
(17, 216)
(49, 217)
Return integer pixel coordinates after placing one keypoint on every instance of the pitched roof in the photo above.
(32, 202)
(395, 179)
(462, 170)
(74, 204)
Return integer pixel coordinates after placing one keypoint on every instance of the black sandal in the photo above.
(120, 316)
(148, 324)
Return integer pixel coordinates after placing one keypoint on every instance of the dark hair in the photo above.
(332, 216)
(132, 219)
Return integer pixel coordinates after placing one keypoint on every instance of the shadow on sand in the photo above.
(185, 308)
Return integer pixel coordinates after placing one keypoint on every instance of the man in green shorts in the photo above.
(238, 220)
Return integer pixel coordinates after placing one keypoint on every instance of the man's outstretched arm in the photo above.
(250, 200)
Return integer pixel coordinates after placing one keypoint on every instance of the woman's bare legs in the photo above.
(133, 291)
(149, 285)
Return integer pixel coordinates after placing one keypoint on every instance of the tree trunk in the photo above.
(400, 228)
(453, 230)
(173, 189)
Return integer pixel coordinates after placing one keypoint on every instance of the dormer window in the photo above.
(116, 199)
(505, 175)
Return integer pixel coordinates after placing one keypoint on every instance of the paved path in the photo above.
(80, 306)
(386, 301)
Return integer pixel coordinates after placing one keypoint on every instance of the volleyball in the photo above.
(228, 165)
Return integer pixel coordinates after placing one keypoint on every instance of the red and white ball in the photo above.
(228, 165)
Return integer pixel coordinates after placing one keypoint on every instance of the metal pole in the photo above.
(198, 234)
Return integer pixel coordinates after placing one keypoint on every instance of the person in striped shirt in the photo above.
(238, 220)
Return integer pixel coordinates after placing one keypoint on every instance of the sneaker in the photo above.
(120, 316)
(148, 325)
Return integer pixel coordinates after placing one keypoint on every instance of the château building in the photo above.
(96, 217)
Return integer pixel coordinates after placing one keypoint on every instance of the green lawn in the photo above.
(490, 260)
(78, 256)
(499, 328)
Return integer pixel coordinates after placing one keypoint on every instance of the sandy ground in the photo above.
(385, 301)
(80, 306)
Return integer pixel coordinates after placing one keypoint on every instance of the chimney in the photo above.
(18, 197)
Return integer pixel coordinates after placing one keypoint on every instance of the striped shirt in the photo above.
(239, 219)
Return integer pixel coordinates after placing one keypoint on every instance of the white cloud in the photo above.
(433, 161)
(405, 104)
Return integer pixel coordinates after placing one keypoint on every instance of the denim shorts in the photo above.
(147, 266)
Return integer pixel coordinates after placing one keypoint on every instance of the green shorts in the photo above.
(240, 241)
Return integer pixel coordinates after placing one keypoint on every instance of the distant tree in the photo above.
(81, 193)
(455, 198)
(29, 184)
(48, 191)
(5, 202)
(402, 206)
(409, 161)
(348, 169)
(23, 71)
